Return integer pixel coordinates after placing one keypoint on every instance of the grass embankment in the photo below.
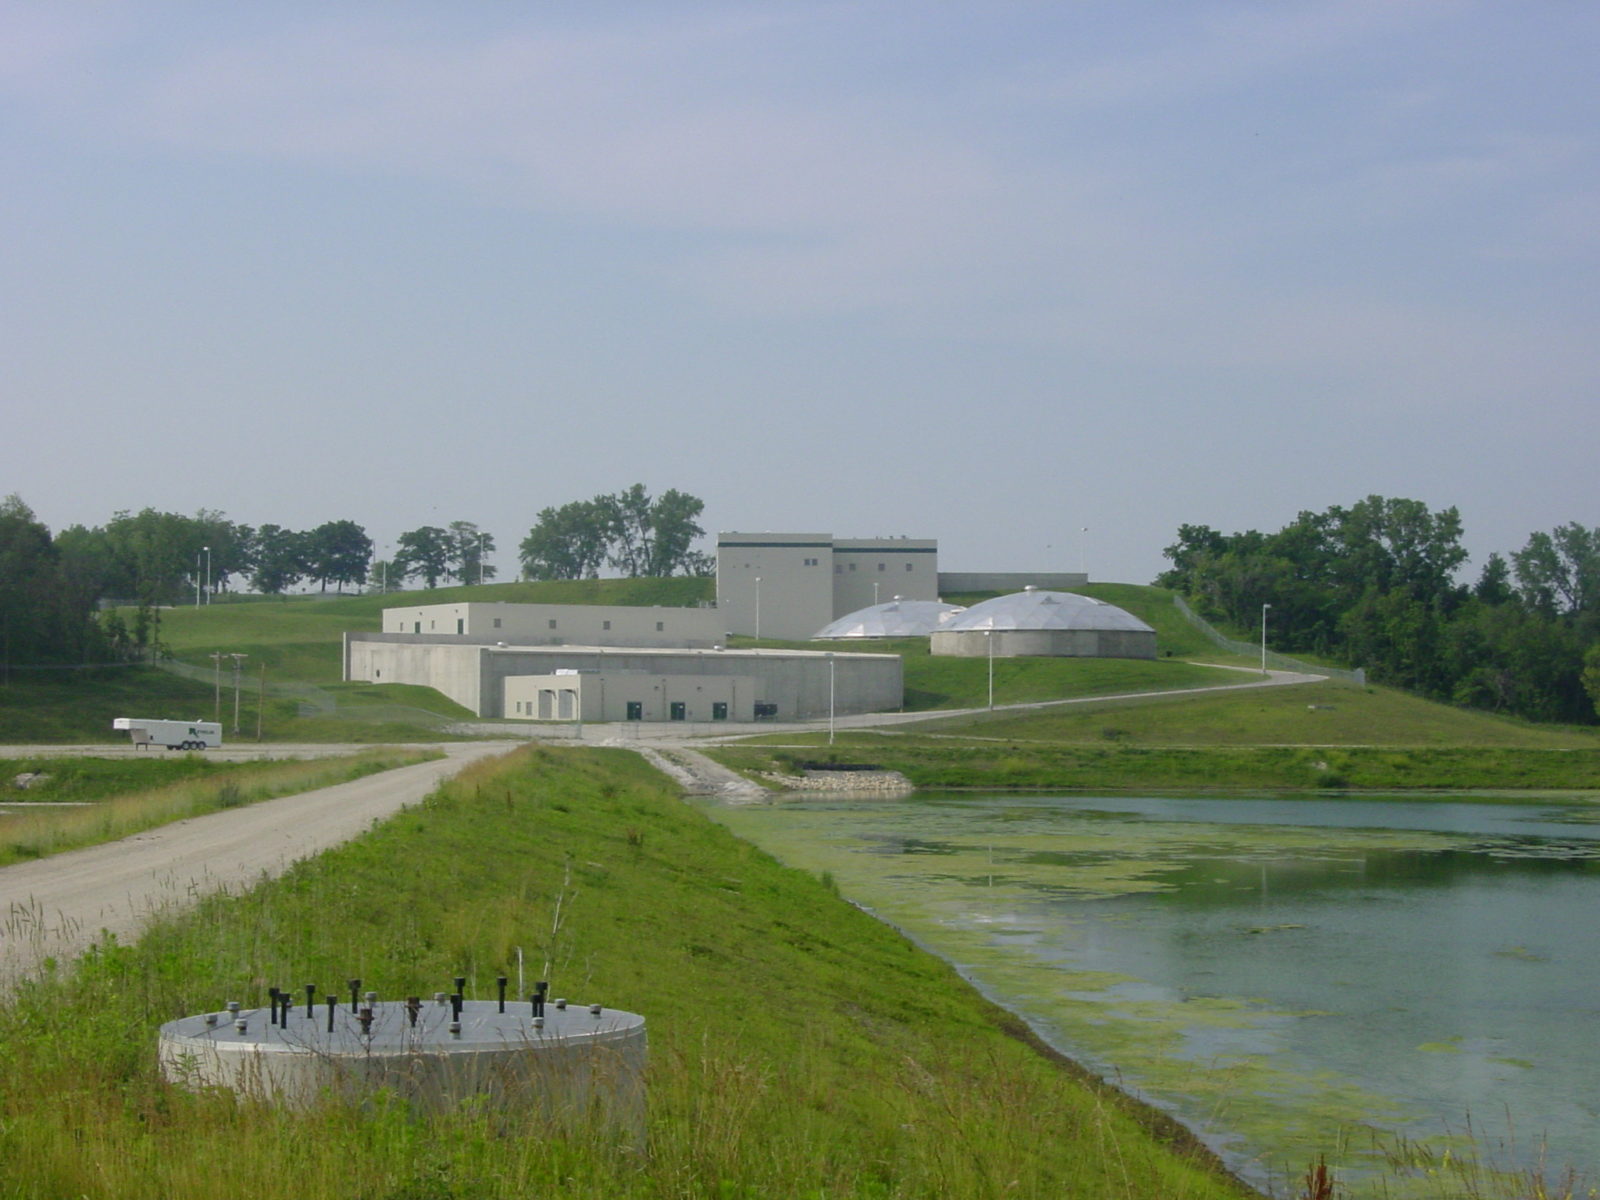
(798, 1048)
(135, 796)
(297, 640)
(79, 706)
(1310, 736)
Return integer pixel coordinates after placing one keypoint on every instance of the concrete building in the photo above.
(477, 673)
(1037, 623)
(789, 585)
(561, 624)
(633, 696)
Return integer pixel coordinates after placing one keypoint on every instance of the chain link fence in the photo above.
(310, 700)
(1281, 662)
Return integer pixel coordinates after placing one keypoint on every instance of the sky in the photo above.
(1041, 280)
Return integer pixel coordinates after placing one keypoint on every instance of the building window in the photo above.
(605, 624)
(497, 622)
(852, 566)
(552, 622)
(908, 566)
(660, 626)
(880, 566)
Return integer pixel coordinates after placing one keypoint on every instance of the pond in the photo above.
(1381, 980)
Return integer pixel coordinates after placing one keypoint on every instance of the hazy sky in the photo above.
(986, 272)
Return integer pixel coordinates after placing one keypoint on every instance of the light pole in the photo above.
(874, 591)
(988, 641)
(197, 577)
(1083, 553)
(482, 537)
(238, 661)
(1264, 608)
(208, 573)
(830, 698)
(758, 608)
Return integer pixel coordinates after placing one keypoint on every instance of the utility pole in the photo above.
(216, 661)
(261, 699)
(238, 665)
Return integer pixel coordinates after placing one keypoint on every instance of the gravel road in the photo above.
(57, 906)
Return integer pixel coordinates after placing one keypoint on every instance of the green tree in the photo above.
(280, 559)
(470, 548)
(426, 553)
(569, 542)
(652, 537)
(1558, 573)
(337, 552)
(1591, 675)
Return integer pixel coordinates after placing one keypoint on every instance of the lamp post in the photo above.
(1083, 553)
(482, 537)
(197, 577)
(758, 608)
(1264, 608)
(207, 549)
(830, 698)
(988, 642)
(238, 664)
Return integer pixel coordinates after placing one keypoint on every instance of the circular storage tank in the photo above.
(1035, 623)
(898, 618)
(566, 1061)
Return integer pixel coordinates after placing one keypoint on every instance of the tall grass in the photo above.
(798, 1047)
(39, 832)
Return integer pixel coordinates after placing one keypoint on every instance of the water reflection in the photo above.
(1410, 965)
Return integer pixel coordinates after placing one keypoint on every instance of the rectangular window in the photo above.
(605, 624)
(552, 622)
(719, 710)
(660, 626)
(497, 622)
(908, 566)
(852, 566)
(880, 566)
(461, 625)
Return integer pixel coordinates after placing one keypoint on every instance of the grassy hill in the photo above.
(297, 641)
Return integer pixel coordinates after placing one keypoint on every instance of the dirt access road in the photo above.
(57, 906)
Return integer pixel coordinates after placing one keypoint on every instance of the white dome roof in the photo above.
(898, 618)
(1034, 609)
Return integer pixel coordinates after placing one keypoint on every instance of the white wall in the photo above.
(794, 596)
(560, 624)
(904, 567)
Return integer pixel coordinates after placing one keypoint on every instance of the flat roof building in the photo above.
(478, 673)
(561, 624)
(789, 585)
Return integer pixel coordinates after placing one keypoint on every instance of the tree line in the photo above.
(52, 587)
(1374, 585)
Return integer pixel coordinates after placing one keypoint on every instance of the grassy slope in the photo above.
(1373, 738)
(798, 1048)
(146, 792)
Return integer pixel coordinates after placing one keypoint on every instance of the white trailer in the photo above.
(174, 735)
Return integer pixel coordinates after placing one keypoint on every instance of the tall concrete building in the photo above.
(789, 585)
